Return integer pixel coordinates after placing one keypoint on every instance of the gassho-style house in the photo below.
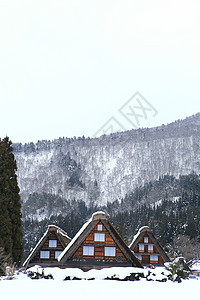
(96, 245)
(147, 248)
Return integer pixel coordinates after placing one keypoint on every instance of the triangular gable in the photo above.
(52, 233)
(147, 248)
(98, 244)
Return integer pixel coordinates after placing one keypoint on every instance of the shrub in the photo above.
(38, 275)
(178, 269)
(6, 267)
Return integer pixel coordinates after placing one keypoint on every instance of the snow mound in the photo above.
(156, 274)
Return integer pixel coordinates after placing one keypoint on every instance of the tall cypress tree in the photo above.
(10, 207)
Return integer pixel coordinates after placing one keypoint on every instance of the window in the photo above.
(146, 240)
(88, 250)
(150, 248)
(154, 258)
(52, 243)
(57, 253)
(100, 227)
(99, 237)
(141, 247)
(45, 254)
(139, 256)
(110, 251)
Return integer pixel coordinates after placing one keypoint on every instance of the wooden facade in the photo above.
(48, 248)
(148, 249)
(97, 245)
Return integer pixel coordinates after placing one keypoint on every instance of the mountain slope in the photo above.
(107, 168)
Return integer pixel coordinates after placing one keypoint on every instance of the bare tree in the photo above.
(184, 246)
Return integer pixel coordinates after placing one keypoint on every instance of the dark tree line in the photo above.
(10, 207)
(177, 213)
(171, 218)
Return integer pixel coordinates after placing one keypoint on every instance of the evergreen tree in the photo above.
(10, 207)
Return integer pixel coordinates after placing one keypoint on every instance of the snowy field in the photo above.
(23, 288)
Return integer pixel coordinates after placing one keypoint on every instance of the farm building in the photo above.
(147, 248)
(97, 245)
(48, 248)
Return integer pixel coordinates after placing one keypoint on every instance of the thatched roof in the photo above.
(85, 231)
(143, 230)
(61, 235)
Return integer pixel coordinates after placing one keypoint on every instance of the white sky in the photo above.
(66, 67)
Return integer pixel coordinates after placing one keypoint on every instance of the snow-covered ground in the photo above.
(24, 288)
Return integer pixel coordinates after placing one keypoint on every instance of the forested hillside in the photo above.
(172, 211)
(97, 170)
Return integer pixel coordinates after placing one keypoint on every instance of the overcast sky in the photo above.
(68, 68)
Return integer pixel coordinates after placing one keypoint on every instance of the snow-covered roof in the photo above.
(195, 266)
(100, 214)
(50, 228)
(85, 230)
(143, 228)
(74, 239)
(59, 230)
(141, 233)
(95, 216)
(34, 249)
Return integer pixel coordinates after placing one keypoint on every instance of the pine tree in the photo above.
(10, 207)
